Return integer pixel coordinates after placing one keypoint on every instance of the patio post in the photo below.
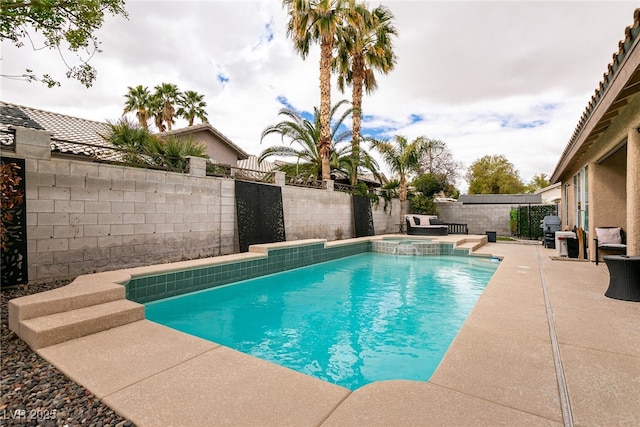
(633, 191)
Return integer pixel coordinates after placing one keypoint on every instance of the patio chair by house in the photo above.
(610, 239)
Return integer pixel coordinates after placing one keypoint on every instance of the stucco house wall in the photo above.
(219, 147)
(606, 143)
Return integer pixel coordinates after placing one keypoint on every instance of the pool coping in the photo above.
(499, 370)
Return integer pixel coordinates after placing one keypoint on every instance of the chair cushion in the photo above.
(416, 220)
(609, 236)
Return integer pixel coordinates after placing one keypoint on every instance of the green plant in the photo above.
(172, 152)
(134, 139)
(361, 189)
(513, 221)
(423, 205)
(388, 192)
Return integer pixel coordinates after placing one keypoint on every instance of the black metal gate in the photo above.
(362, 216)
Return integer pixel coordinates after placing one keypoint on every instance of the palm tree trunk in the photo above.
(356, 101)
(403, 200)
(326, 49)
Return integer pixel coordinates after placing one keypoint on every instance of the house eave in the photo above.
(619, 84)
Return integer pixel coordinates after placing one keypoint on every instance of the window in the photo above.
(566, 204)
(581, 198)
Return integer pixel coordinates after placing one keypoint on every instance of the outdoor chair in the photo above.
(610, 239)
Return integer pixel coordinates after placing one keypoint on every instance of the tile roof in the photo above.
(73, 135)
(251, 163)
(70, 135)
(500, 199)
(62, 127)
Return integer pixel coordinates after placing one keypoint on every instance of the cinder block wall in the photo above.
(479, 218)
(310, 214)
(84, 217)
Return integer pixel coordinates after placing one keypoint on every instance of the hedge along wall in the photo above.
(84, 217)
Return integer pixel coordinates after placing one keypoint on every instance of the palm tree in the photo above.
(137, 101)
(192, 106)
(307, 134)
(318, 21)
(364, 48)
(403, 158)
(168, 94)
(156, 110)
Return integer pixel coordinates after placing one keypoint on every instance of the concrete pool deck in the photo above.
(500, 369)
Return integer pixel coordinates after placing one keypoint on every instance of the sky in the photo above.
(505, 78)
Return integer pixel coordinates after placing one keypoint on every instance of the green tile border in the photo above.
(151, 288)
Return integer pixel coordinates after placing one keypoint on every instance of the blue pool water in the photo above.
(365, 318)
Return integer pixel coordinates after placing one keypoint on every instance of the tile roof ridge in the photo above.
(40, 110)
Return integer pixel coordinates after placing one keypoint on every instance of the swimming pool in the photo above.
(352, 321)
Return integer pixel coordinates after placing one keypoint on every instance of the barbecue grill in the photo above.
(550, 224)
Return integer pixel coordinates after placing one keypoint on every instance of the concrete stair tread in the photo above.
(70, 297)
(59, 327)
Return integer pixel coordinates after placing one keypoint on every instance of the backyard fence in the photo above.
(526, 220)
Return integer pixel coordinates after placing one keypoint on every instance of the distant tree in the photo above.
(138, 101)
(538, 182)
(438, 161)
(425, 188)
(493, 175)
(71, 22)
(192, 106)
(428, 184)
(423, 205)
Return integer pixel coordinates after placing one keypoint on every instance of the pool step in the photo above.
(71, 297)
(471, 246)
(63, 326)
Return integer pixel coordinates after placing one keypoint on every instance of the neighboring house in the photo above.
(219, 147)
(551, 194)
(599, 169)
(76, 136)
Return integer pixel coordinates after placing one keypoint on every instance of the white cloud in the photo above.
(486, 77)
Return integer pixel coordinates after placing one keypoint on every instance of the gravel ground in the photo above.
(35, 393)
